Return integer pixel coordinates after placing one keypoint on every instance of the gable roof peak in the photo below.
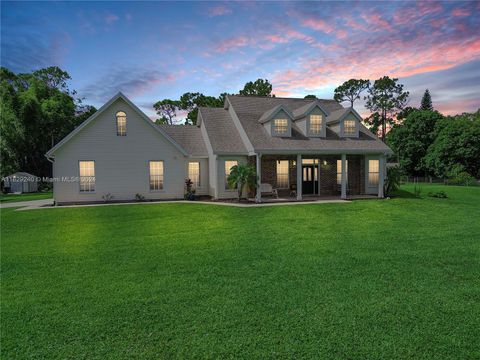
(269, 114)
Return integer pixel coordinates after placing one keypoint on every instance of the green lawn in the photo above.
(4, 198)
(392, 279)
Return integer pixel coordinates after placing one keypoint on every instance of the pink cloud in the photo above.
(317, 24)
(460, 12)
(376, 21)
(405, 58)
(219, 11)
(232, 43)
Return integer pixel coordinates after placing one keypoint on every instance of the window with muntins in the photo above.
(87, 176)
(194, 172)
(316, 124)
(349, 127)
(280, 126)
(156, 175)
(228, 166)
(121, 123)
(339, 171)
(373, 172)
(282, 174)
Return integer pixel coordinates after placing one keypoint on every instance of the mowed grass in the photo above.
(392, 279)
(6, 198)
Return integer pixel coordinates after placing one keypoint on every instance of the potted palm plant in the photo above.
(242, 176)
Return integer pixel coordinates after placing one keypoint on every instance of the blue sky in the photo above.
(156, 50)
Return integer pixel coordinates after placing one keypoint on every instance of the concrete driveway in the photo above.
(27, 205)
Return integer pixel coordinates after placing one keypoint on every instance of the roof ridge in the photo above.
(278, 97)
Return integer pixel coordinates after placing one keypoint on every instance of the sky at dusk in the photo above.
(156, 50)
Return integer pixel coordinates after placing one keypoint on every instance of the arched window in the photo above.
(121, 123)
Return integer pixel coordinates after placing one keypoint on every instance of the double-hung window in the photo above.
(87, 176)
(194, 173)
(228, 166)
(280, 126)
(282, 174)
(373, 172)
(316, 124)
(156, 175)
(349, 127)
(339, 171)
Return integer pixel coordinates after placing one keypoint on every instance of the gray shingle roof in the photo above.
(221, 130)
(189, 137)
(250, 109)
(336, 115)
(303, 110)
(269, 113)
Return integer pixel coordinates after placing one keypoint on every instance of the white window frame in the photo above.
(276, 127)
(228, 173)
(353, 131)
(121, 129)
(197, 182)
(370, 172)
(287, 174)
(339, 171)
(160, 177)
(320, 130)
(88, 179)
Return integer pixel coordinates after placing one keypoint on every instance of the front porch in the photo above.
(319, 177)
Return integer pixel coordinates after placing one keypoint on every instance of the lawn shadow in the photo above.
(404, 194)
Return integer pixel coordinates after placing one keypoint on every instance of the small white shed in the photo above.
(21, 182)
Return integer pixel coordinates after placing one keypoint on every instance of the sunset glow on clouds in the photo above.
(153, 50)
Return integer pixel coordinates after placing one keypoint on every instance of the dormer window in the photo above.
(280, 126)
(316, 122)
(121, 123)
(349, 128)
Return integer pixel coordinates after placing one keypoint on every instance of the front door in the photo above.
(309, 179)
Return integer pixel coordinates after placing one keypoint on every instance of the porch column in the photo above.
(299, 177)
(258, 195)
(344, 176)
(381, 175)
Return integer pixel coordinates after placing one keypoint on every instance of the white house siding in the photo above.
(222, 192)
(121, 162)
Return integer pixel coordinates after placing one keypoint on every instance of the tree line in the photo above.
(167, 109)
(37, 110)
(425, 142)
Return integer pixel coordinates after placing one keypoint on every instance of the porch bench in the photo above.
(268, 189)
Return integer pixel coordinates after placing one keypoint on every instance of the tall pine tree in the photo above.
(426, 103)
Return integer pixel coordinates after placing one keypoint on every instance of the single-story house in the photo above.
(21, 182)
(300, 147)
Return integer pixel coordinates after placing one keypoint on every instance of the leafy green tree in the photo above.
(456, 147)
(167, 110)
(311, 97)
(411, 139)
(402, 115)
(38, 110)
(385, 99)
(191, 101)
(240, 176)
(350, 90)
(426, 103)
(260, 87)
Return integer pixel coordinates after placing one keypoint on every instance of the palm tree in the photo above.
(241, 175)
